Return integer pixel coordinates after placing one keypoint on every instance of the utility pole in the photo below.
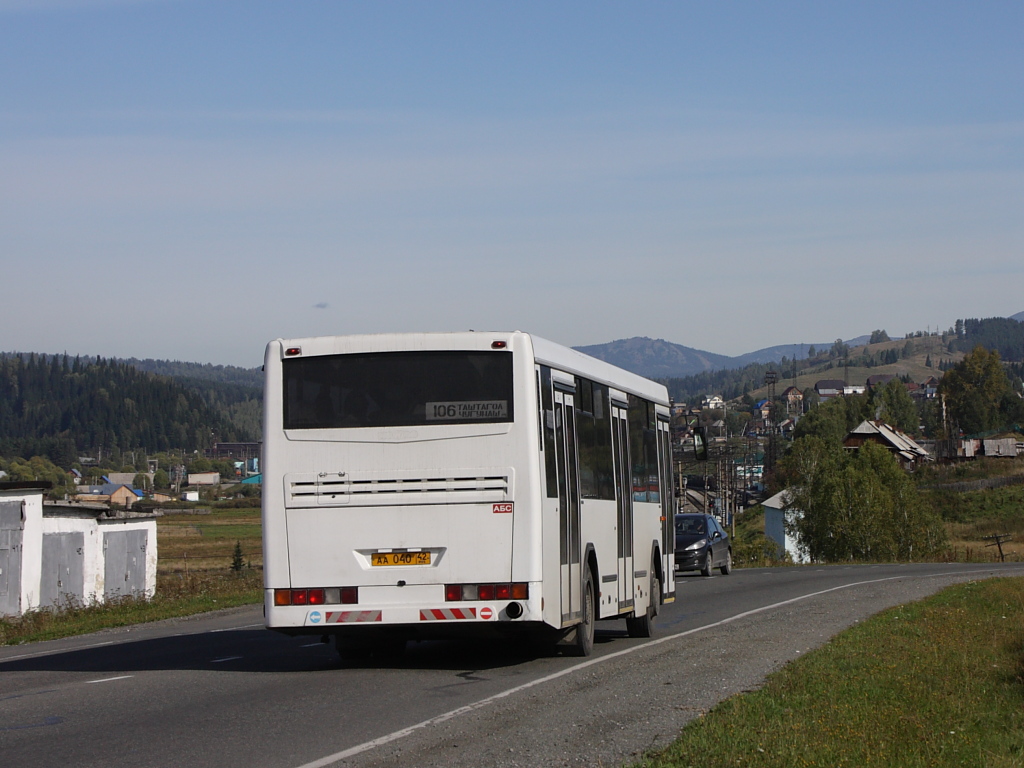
(770, 378)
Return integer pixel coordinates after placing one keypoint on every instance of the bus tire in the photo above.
(643, 626)
(584, 645)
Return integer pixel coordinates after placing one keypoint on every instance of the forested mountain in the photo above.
(1002, 334)
(658, 359)
(62, 408)
(236, 393)
(221, 374)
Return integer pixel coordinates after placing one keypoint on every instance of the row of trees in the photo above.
(979, 395)
(857, 506)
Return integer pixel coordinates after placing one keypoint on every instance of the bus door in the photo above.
(668, 508)
(624, 506)
(568, 505)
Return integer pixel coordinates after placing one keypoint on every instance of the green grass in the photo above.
(934, 683)
(176, 595)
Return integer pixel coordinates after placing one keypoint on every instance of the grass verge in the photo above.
(176, 595)
(934, 683)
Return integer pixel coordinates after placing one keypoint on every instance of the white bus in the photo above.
(449, 484)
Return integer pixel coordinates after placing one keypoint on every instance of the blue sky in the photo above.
(188, 180)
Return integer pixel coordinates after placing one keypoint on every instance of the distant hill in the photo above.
(775, 354)
(660, 359)
(1019, 317)
(655, 358)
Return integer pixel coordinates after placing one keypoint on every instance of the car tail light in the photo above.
(282, 597)
(300, 596)
(485, 592)
(317, 597)
(520, 592)
(452, 592)
(292, 351)
(502, 591)
(349, 595)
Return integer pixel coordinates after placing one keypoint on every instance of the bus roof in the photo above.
(544, 351)
(581, 364)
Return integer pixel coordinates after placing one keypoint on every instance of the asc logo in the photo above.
(496, 508)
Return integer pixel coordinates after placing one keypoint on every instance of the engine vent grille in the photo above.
(344, 489)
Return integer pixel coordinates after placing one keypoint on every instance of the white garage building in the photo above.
(54, 554)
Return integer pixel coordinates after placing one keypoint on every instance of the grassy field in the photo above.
(971, 515)
(935, 683)
(206, 542)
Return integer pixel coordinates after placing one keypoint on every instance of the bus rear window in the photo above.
(397, 389)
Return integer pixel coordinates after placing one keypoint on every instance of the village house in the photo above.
(907, 452)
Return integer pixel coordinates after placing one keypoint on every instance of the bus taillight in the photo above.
(518, 591)
(317, 596)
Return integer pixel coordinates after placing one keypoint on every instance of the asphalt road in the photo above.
(219, 690)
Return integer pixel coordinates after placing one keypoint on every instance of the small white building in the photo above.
(204, 478)
(53, 554)
(777, 522)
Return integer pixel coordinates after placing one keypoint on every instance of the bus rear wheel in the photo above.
(643, 626)
(584, 645)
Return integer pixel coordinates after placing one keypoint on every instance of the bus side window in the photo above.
(547, 412)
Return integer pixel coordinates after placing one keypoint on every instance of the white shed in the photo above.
(51, 554)
(776, 517)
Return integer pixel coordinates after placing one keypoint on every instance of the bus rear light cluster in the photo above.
(456, 592)
(317, 596)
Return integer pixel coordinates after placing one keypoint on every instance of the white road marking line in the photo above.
(226, 658)
(379, 742)
(109, 679)
(51, 652)
(234, 629)
(311, 645)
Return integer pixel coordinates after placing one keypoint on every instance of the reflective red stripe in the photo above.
(340, 617)
(445, 614)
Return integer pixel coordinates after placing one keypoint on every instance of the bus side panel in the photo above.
(647, 536)
(527, 532)
(598, 528)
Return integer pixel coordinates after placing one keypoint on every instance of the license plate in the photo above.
(400, 558)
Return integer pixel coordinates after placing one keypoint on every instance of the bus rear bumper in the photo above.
(418, 620)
